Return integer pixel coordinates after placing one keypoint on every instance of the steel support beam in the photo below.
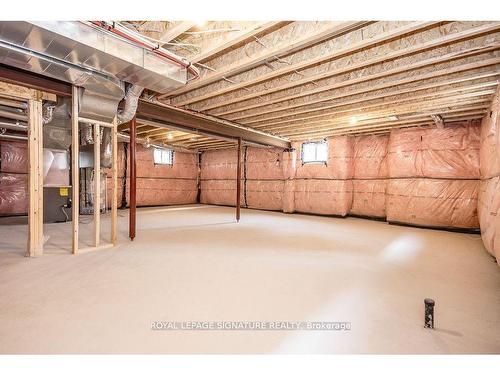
(194, 122)
(34, 81)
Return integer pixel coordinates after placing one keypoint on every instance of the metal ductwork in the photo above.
(131, 102)
(92, 58)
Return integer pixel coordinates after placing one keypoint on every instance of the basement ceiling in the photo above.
(309, 80)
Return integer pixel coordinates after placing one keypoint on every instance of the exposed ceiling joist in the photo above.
(325, 110)
(336, 28)
(458, 68)
(176, 30)
(364, 78)
(448, 39)
(237, 38)
(367, 43)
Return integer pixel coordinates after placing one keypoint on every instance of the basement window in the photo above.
(163, 156)
(314, 152)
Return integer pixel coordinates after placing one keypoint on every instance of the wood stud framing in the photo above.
(97, 125)
(35, 177)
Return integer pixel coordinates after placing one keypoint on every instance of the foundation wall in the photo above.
(157, 185)
(425, 177)
(489, 190)
(14, 197)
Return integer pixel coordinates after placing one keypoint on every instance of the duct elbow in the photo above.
(47, 113)
(131, 102)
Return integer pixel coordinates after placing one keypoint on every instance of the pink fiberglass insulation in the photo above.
(490, 141)
(13, 157)
(326, 197)
(219, 165)
(222, 192)
(338, 166)
(158, 184)
(368, 198)
(488, 206)
(370, 156)
(185, 165)
(159, 192)
(264, 164)
(496, 238)
(489, 194)
(14, 197)
(265, 195)
(433, 202)
(452, 152)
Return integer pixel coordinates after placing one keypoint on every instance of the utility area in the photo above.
(193, 187)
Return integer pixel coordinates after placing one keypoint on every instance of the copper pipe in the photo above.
(238, 182)
(133, 179)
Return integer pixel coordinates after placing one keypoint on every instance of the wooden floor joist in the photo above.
(449, 39)
(336, 28)
(362, 79)
(237, 38)
(324, 111)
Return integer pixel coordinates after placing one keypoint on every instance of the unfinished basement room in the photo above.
(249, 187)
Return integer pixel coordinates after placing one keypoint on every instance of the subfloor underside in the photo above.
(195, 263)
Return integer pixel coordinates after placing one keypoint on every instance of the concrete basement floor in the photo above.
(195, 263)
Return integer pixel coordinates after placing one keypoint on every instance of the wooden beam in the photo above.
(449, 39)
(342, 127)
(335, 29)
(175, 31)
(263, 123)
(35, 178)
(237, 37)
(383, 74)
(194, 122)
(114, 181)
(383, 115)
(97, 185)
(456, 69)
(351, 48)
(75, 171)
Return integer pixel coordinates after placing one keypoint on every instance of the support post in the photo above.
(97, 185)
(238, 182)
(35, 182)
(75, 172)
(133, 179)
(114, 176)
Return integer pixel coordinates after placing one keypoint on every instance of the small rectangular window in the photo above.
(163, 157)
(314, 152)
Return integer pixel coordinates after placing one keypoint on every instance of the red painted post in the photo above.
(133, 180)
(238, 182)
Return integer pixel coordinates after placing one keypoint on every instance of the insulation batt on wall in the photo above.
(489, 192)
(158, 185)
(409, 173)
(13, 178)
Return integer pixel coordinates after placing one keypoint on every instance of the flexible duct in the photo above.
(47, 113)
(131, 102)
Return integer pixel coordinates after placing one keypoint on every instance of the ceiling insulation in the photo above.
(308, 80)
